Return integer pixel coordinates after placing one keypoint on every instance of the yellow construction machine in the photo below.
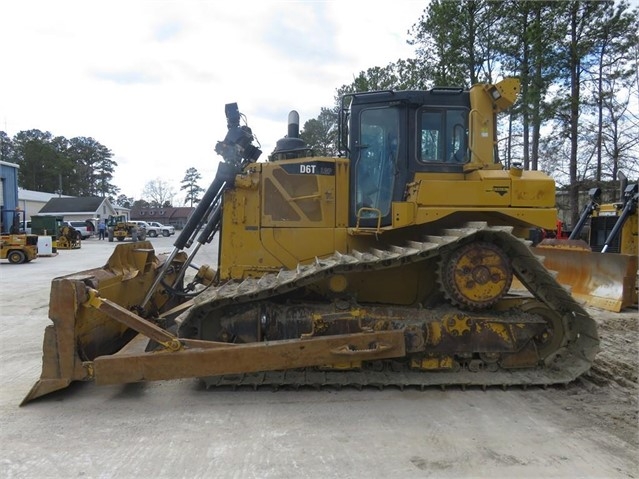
(602, 271)
(388, 265)
(18, 248)
(120, 228)
(69, 238)
(63, 234)
(15, 246)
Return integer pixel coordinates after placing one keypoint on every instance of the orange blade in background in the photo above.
(602, 280)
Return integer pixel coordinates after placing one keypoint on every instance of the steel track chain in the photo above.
(570, 361)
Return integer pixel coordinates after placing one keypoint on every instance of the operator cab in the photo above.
(394, 134)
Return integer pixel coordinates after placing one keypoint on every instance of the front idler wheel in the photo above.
(551, 341)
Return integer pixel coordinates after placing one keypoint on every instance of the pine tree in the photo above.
(193, 190)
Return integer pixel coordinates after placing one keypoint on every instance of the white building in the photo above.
(31, 202)
(79, 209)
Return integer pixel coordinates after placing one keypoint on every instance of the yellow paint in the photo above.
(457, 324)
(435, 333)
(338, 283)
(442, 362)
(403, 214)
(342, 366)
(492, 282)
(499, 329)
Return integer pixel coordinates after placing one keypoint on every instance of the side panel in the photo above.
(240, 244)
(514, 198)
(462, 192)
(533, 189)
(297, 245)
(630, 236)
(283, 213)
(299, 193)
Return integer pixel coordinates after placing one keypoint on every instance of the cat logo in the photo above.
(500, 190)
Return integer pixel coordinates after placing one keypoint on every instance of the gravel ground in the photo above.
(179, 429)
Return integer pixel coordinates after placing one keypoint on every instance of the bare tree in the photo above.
(158, 193)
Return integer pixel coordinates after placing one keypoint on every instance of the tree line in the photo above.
(82, 166)
(79, 166)
(577, 115)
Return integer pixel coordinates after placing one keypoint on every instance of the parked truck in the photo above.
(164, 230)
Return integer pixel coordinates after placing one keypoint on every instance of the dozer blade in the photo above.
(80, 333)
(97, 339)
(601, 280)
(565, 244)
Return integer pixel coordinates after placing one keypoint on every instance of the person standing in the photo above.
(101, 229)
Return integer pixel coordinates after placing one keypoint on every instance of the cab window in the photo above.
(432, 144)
(443, 136)
(377, 159)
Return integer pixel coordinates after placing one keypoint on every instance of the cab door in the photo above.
(378, 164)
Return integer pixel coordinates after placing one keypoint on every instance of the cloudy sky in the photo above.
(149, 79)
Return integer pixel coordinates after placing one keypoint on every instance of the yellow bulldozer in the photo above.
(388, 265)
(602, 270)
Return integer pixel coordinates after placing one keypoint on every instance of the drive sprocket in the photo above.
(475, 276)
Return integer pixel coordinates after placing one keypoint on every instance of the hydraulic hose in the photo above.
(224, 177)
(629, 208)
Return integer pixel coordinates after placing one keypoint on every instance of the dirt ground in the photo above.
(589, 428)
(610, 392)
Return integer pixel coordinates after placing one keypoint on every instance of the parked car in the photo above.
(85, 228)
(151, 231)
(164, 229)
